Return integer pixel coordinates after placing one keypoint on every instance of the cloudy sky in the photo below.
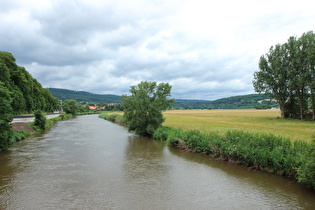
(205, 49)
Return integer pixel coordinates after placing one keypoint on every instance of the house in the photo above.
(96, 107)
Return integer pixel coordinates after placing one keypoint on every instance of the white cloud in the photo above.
(205, 49)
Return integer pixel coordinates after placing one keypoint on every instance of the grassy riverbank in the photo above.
(254, 138)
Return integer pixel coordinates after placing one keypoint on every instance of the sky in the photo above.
(205, 49)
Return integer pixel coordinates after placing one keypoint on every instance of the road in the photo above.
(28, 118)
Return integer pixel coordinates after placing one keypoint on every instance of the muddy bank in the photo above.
(21, 126)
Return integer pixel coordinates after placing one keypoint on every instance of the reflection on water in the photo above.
(90, 163)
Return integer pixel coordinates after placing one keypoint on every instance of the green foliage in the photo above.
(287, 74)
(61, 117)
(168, 134)
(70, 107)
(306, 171)
(40, 120)
(113, 102)
(17, 136)
(262, 151)
(162, 133)
(143, 109)
(235, 102)
(6, 117)
(243, 102)
(109, 117)
(116, 118)
(27, 94)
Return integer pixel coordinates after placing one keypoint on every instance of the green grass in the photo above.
(254, 121)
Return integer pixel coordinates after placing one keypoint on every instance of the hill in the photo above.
(250, 101)
(234, 102)
(191, 104)
(83, 96)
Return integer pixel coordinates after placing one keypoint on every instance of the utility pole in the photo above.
(60, 105)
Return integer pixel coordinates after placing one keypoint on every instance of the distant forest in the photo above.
(251, 101)
(84, 97)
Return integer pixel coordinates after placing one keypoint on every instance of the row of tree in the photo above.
(26, 93)
(287, 74)
(19, 93)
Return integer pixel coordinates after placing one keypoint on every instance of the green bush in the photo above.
(70, 107)
(263, 151)
(168, 134)
(17, 136)
(306, 172)
(162, 133)
(109, 117)
(196, 140)
(40, 120)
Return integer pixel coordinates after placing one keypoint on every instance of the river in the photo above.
(90, 163)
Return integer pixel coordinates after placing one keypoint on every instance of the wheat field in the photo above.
(258, 121)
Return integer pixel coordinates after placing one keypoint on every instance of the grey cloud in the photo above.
(106, 46)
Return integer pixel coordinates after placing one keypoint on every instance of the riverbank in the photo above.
(22, 130)
(259, 151)
(22, 126)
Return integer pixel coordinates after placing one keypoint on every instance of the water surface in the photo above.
(90, 163)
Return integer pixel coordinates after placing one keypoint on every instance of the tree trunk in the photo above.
(302, 103)
(301, 109)
(313, 104)
(282, 108)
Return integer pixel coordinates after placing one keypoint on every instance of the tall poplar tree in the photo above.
(308, 43)
(287, 74)
(273, 79)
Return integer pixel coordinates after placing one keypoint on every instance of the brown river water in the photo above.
(90, 163)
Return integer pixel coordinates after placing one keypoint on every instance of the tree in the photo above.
(297, 72)
(70, 107)
(273, 78)
(40, 120)
(6, 116)
(27, 93)
(308, 43)
(287, 73)
(143, 109)
(306, 172)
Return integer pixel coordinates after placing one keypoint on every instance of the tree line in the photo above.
(26, 93)
(287, 74)
(19, 93)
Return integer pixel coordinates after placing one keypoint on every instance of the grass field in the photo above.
(262, 121)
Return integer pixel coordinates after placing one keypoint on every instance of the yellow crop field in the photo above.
(262, 121)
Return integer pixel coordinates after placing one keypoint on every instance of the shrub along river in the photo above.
(90, 163)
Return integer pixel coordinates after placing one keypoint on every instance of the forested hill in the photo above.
(83, 96)
(235, 102)
(259, 101)
(22, 92)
